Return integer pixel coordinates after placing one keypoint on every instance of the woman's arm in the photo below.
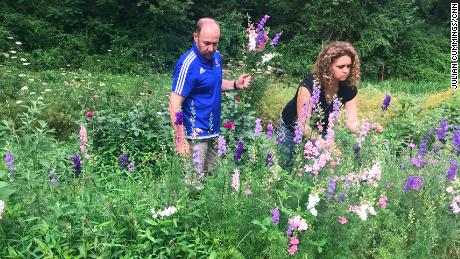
(351, 117)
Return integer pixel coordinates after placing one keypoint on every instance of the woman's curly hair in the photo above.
(322, 70)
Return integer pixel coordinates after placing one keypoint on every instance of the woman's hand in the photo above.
(377, 127)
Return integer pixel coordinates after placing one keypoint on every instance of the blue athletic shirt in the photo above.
(199, 80)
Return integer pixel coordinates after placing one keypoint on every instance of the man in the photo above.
(196, 92)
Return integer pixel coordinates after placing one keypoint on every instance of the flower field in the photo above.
(88, 170)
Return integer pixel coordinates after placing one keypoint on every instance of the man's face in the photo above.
(206, 42)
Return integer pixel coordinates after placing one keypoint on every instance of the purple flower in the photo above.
(418, 161)
(238, 151)
(9, 159)
(258, 128)
(298, 134)
(260, 39)
(332, 186)
(131, 167)
(269, 131)
(456, 140)
(422, 151)
(414, 182)
(76, 159)
(290, 229)
(386, 102)
(179, 119)
(52, 176)
(336, 108)
(441, 133)
(342, 198)
(275, 216)
(123, 159)
(222, 146)
(269, 159)
(280, 136)
(261, 24)
(452, 172)
(276, 39)
(315, 96)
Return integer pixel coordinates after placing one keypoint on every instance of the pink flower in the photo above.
(450, 189)
(248, 192)
(383, 202)
(294, 240)
(84, 141)
(90, 115)
(229, 125)
(236, 180)
(237, 100)
(343, 220)
(292, 250)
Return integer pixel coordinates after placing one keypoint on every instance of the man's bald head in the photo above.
(206, 22)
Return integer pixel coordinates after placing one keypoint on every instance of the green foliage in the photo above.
(395, 39)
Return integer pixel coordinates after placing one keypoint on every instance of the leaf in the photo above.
(3, 184)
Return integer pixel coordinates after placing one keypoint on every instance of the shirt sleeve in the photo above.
(349, 93)
(183, 80)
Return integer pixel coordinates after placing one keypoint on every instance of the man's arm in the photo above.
(241, 83)
(175, 104)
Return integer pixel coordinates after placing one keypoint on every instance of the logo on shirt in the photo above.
(216, 62)
(202, 70)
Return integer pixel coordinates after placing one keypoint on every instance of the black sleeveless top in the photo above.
(289, 115)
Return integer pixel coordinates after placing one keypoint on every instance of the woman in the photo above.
(337, 71)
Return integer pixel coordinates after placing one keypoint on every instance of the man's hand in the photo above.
(183, 149)
(243, 81)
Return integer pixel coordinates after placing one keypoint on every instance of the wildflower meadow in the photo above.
(89, 170)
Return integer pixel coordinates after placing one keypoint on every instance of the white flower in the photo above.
(31, 80)
(22, 75)
(314, 212)
(267, 57)
(154, 213)
(372, 211)
(25, 64)
(12, 52)
(303, 225)
(40, 98)
(18, 102)
(164, 213)
(450, 189)
(9, 37)
(24, 88)
(23, 59)
(18, 43)
(32, 93)
(312, 201)
(2, 208)
(47, 90)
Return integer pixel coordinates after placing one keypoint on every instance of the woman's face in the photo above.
(341, 67)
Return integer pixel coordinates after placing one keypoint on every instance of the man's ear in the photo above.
(195, 37)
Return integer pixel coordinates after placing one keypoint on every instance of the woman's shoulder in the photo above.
(308, 82)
